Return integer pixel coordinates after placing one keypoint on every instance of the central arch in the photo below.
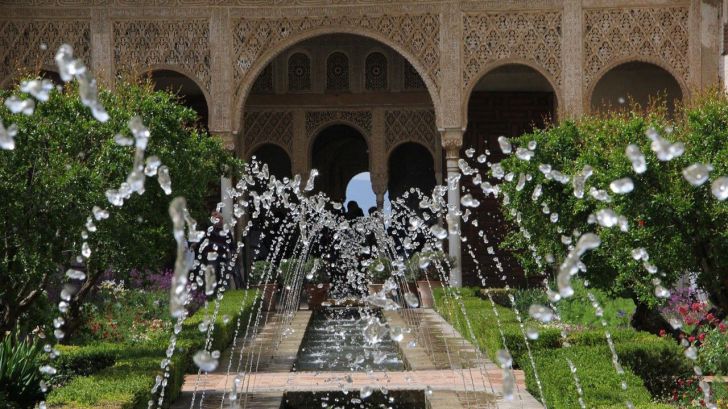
(339, 152)
(262, 61)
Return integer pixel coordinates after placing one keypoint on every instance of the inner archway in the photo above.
(509, 100)
(638, 82)
(339, 152)
(190, 94)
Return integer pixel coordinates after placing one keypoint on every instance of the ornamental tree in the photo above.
(683, 228)
(63, 162)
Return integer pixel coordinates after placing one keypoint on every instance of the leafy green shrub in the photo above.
(19, 375)
(682, 227)
(79, 361)
(578, 309)
(659, 362)
(73, 160)
(600, 382)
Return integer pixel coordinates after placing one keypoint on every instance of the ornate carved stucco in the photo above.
(656, 33)
(316, 119)
(269, 126)
(410, 126)
(33, 43)
(139, 44)
(419, 34)
(523, 36)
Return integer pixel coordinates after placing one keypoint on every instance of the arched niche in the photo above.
(189, 92)
(279, 164)
(339, 152)
(635, 81)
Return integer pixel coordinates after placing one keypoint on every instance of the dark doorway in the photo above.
(279, 165)
(339, 152)
(410, 165)
(501, 105)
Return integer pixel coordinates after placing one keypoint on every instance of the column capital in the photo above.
(452, 140)
(379, 182)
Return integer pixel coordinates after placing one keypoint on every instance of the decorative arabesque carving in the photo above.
(529, 36)
(299, 72)
(33, 43)
(269, 126)
(264, 83)
(315, 119)
(410, 126)
(418, 34)
(143, 43)
(337, 72)
(375, 71)
(659, 33)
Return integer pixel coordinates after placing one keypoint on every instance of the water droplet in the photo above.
(697, 174)
(541, 313)
(47, 370)
(74, 274)
(164, 180)
(16, 105)
(524, 154)
(607, 218)
(152, 165)
(412, 300)
(719, 187)
(505, 145)
(99, 213)
(204, 360)
(469, 201)
(439, 232)
(639, 164)
(85, 250)
(365, 392)
(622, 186)
(7, 136)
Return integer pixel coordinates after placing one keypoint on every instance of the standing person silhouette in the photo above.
(353, 210)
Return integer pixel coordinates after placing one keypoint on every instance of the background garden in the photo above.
(118, 325)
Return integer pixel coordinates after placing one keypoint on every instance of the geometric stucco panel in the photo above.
(269, 126)
(411, 126)
(21, 42)
(660, 33)
(418, 34)
(139, 44)
(530, 36)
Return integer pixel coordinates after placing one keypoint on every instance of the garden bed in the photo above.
(129, 376)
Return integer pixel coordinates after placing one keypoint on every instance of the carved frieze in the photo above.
(315, 119)
(269, 126)
(139, 44)
(33, 43)
(410, 126)
(658, 33)
(530, 36)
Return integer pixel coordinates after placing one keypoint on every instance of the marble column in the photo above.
(452, 140)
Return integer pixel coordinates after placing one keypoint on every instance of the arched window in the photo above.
(337, 72)
(376, 71)
(299, 72)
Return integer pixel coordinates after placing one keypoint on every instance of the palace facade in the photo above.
(394, 87)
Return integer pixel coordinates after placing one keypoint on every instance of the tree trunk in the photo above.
(648, 319)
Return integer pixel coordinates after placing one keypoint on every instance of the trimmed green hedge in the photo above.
(126, 382)
(651, 363)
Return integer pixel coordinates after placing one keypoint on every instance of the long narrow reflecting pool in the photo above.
(352, 400)
(335, 341)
